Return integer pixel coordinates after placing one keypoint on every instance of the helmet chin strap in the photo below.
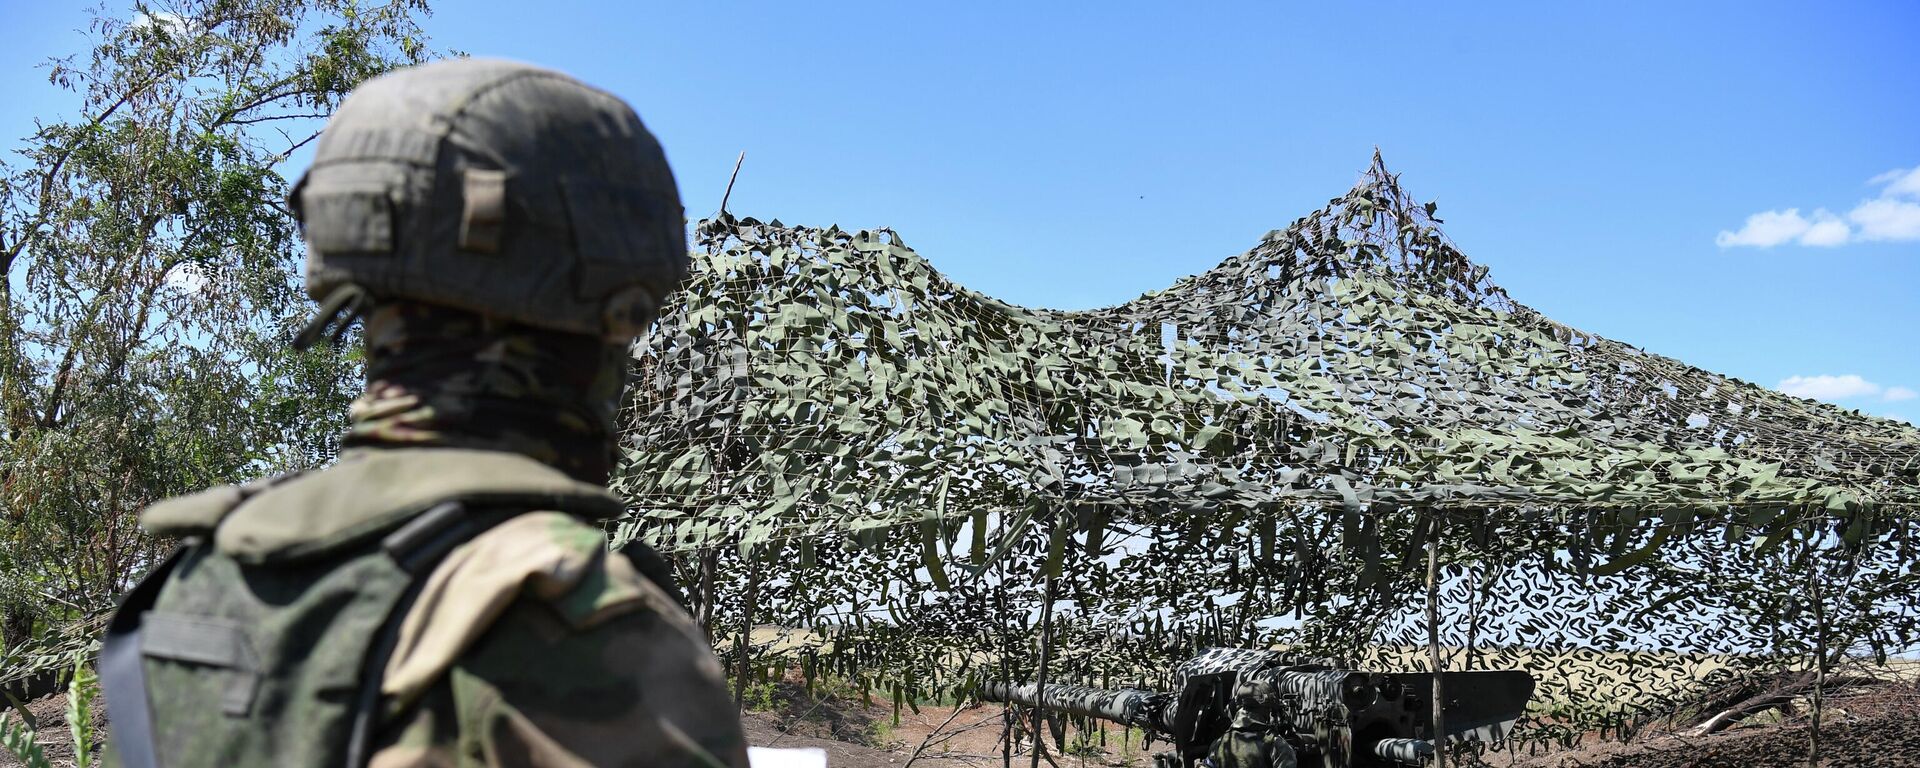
(336, 315)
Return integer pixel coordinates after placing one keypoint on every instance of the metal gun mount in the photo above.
(1346, 717)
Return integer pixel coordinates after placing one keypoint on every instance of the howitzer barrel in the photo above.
(1127, 706)
(1409, 751)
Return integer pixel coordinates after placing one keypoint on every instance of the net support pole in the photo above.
(1040, 679)
(743, 645)
(1819, 652)
(1433, 640)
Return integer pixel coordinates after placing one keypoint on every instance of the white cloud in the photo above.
(1770, 228)
(1842, 387)
(1826, 387)
(1826, 231)
(1899, 183)
(1887, 219)
(169, 22)
(1766, 229)
(187, 277)
(1893, 216)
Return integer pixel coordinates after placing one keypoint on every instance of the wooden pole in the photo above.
(1006, 649)
(1478, 602)
(743, 645)
(710, 554)
(1819, 653)
(1040, 679)
(1433, 641)
(709, 563)
(736, 174)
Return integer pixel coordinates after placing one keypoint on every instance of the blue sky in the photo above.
(1603, 159)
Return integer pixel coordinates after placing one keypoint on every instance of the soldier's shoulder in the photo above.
(546, 565)
(198, 513)
(365, 492)
(535, 638)
(567, 567)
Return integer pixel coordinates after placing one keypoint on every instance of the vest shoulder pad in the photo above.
(370, 491)
(198, 514)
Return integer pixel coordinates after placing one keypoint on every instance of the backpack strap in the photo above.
(416, 547)
(122, 673)
(656, 569)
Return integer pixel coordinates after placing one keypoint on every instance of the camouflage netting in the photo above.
(831, 436)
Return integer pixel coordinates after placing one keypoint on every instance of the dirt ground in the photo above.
(1859, 732)
(1878, 731)
(855, 735)
(1884, 740)
(1872, 730)
(56, 739)
(975, 749)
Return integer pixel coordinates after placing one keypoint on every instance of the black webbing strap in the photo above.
(417, 548)
(123, 678)
(656, 569)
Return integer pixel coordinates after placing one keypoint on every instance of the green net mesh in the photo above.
(833, 438)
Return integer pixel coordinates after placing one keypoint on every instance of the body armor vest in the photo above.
(262, 639)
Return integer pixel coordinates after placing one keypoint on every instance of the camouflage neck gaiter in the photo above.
(438, 376)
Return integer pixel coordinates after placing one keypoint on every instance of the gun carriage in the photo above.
(1344, 717)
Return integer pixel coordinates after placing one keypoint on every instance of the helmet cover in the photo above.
(497, 187)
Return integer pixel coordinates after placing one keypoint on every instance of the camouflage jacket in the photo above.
(534, 646)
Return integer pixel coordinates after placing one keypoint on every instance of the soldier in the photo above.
(1250, 743)
(442, 595)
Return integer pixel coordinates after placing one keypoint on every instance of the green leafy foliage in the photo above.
(83, 690)
(151, 285)
(21, 742)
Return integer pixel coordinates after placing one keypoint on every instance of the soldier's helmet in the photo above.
(496, 187)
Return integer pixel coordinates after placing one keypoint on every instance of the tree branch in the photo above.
(272, 118)
(60, 161)
(268, 97)
(930, 734)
